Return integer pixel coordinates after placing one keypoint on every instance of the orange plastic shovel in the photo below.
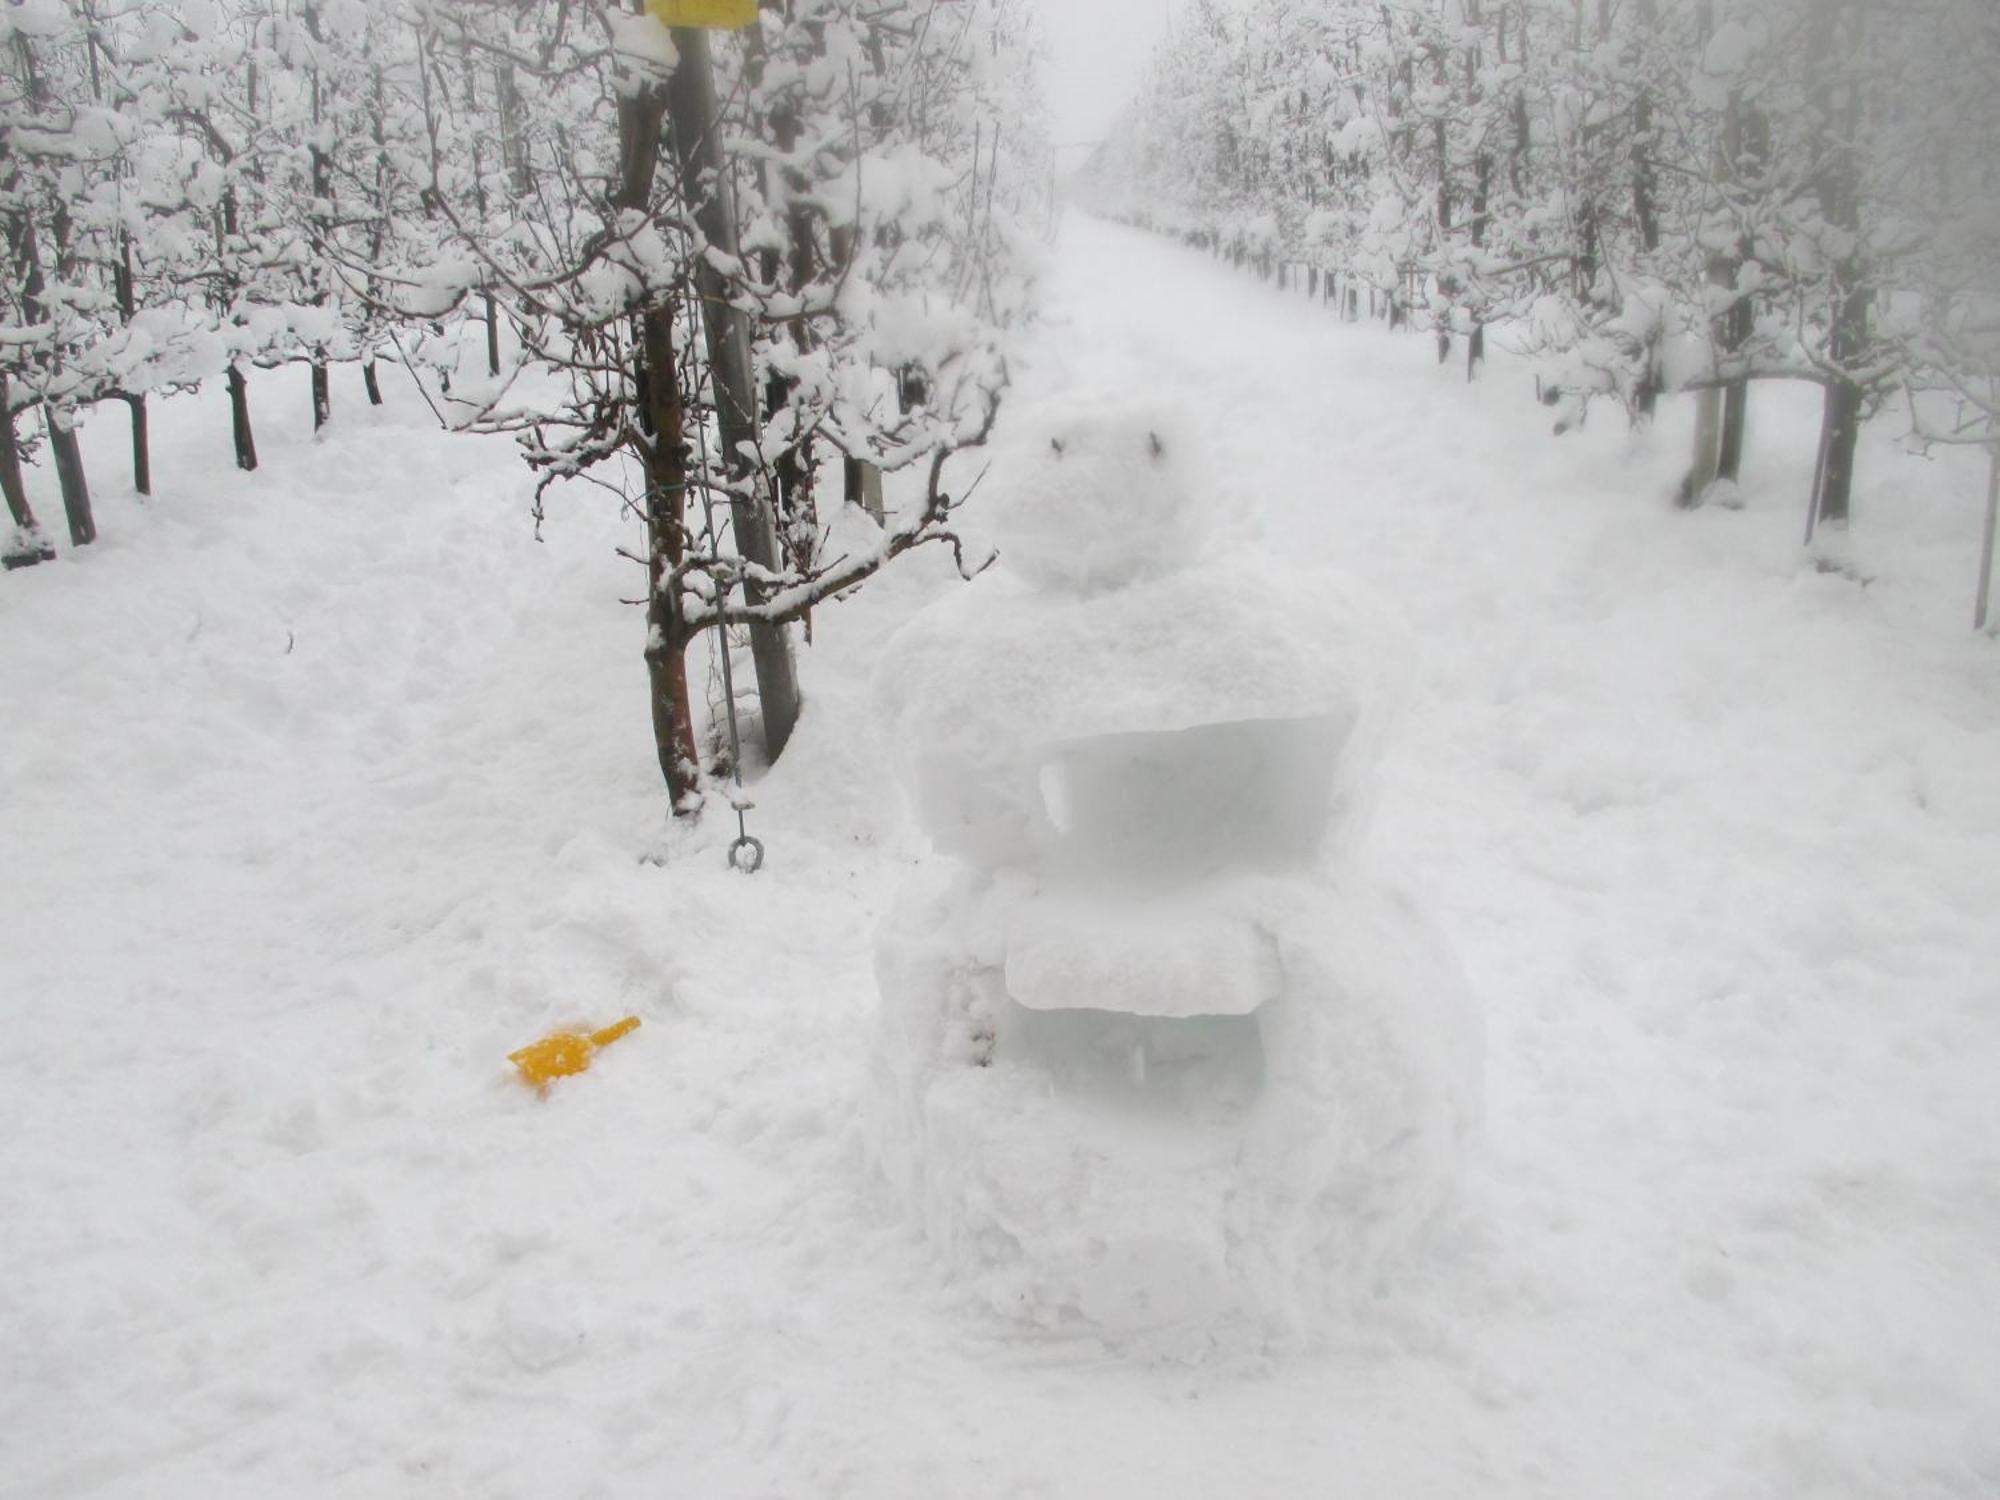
(565, 1052)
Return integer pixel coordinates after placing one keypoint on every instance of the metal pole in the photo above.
(706, 187)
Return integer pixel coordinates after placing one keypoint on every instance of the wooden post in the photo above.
(706, 187)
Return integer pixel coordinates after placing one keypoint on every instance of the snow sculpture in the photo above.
(1156, 1051)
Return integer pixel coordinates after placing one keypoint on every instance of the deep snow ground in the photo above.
(321, 790)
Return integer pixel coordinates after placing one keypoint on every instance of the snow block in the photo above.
(993, 687)
(1153, 1169)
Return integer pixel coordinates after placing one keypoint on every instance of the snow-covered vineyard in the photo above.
(1049, 845)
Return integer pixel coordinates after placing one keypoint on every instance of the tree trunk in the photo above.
(492, 335)
(370, 384)
(1840, 419)
(1833, 484)
(667, 635)
(125, 289)
(862, 484)
(1707, 445)
(322, 395)
(142, 448)
(1728, 331)
(1736, 329)
(659, 410)
(1645, 206)
(68, 457)
(1646, 394)
(1735, 431)
(1837, 186)
(34, 547)
(239, 420)
(1475, 351)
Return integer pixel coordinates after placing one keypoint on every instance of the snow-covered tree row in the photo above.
(707, 269)
(1650, 195)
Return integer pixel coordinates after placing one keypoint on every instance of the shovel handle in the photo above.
(614, 1031)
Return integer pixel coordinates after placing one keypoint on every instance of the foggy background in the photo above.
(1098, 52)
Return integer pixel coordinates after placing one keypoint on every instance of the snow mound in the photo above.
(1158, 1055)
(1109, 492)
(1209, 1176)
(972, 678)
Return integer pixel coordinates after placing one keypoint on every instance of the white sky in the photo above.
(1099, 48)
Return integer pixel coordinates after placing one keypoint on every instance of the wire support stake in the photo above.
(746, 853)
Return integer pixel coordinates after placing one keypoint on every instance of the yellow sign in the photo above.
(715, 15)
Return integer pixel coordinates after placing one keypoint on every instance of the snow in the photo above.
(1160, 957)
(643, 40)
(1151, 1063)
(322, 789)
(1189, 1127)
(1120, 623)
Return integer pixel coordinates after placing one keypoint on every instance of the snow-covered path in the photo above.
(320, 791)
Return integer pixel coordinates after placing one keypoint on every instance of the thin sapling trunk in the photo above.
(239, 420)
(31, 546)
(142, 453)
(68, 458)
